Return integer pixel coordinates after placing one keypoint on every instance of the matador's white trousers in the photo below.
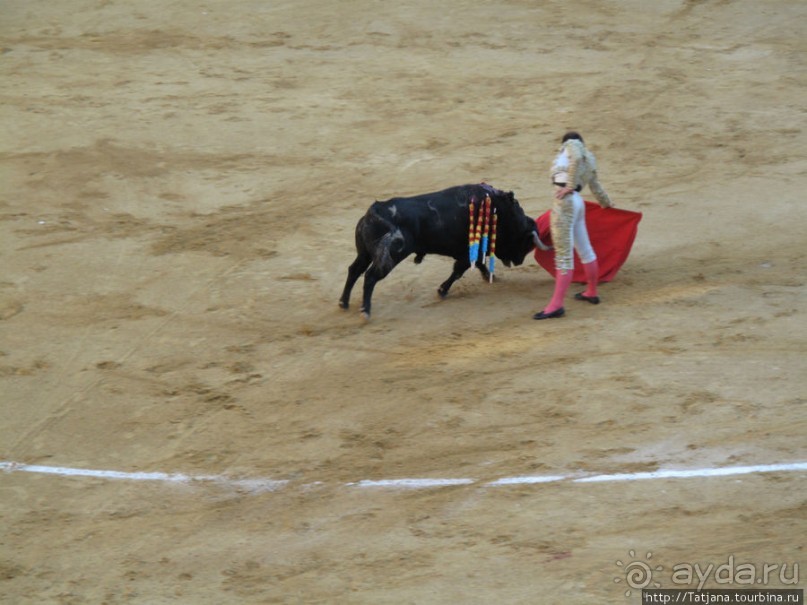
(568, 225)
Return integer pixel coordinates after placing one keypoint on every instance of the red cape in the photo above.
(611, 232)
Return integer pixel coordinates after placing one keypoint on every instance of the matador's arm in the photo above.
(599, 193)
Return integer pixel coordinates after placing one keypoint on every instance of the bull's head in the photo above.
(517, 234)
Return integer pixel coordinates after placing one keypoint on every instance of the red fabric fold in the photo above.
(611, 231)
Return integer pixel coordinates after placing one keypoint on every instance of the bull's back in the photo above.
(437, 222)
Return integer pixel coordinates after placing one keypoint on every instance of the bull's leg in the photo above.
(483, 270)
(358, 267)
(373, 275)
(460, 267)
(389, 250)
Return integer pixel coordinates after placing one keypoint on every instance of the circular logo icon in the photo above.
(637, 574)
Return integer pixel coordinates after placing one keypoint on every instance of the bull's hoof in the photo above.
(442, 292)
(344, 304)
(365, 315)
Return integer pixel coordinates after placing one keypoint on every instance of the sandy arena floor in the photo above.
(180, 183)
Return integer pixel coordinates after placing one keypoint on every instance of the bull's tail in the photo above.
(380, 239)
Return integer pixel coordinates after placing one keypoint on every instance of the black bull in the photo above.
(434, 223)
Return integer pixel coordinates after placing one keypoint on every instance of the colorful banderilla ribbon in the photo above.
(478, 234)
(471, 232)
(482, 234)
(492, 267)
(485, 229)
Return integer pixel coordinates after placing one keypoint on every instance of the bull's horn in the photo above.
(538, 243)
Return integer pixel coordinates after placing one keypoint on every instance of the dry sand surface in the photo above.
(180, 185)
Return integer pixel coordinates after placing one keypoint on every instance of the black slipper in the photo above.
(594, 300)
(556, 313)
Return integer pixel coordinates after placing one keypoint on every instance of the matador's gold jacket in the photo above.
(576, 166)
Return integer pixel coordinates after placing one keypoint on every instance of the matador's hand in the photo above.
(563, 192)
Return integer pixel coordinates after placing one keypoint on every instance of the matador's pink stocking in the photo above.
(563, 280)
(592, 278)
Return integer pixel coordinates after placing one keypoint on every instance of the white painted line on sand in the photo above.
(701, 472)
(252, 485)
(529, 480)
(271, 485)
(411, 483)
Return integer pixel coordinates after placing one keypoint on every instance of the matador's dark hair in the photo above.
(572, 135)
